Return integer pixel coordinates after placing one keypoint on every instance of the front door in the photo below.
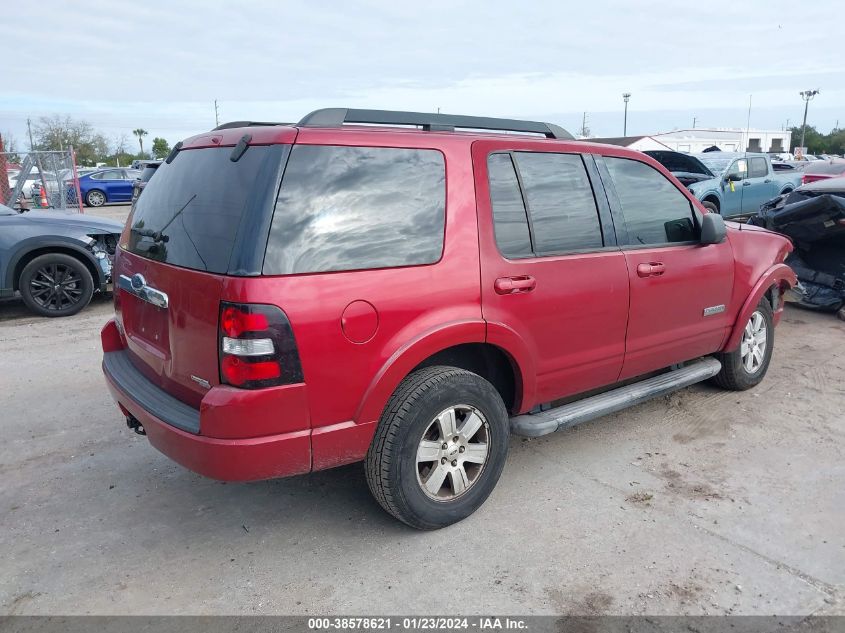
(758, 187)
(680, 289)
(550, 279)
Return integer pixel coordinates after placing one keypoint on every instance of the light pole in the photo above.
(625, 97)
(807, 96)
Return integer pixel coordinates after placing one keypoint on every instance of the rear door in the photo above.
(679, 289)
(551, 273)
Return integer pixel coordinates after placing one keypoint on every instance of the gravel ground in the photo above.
(703, 502)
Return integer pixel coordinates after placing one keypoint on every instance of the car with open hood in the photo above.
(56, 261)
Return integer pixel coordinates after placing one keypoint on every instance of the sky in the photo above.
(161, 64)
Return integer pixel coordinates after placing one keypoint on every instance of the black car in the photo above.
(149, 168)
(55, 260)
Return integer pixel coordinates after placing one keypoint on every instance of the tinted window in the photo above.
(346, 208)
(758, 168)
(560, 202)
(655, 211)
(509, 219)
(114, 174)
(191, 212)
(148, 172)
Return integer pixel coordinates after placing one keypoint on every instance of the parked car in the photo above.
(814, 217)
(822, 170)
(743, 182)
(142, 180)
(104, 186)
(294, 298)
(56, 261)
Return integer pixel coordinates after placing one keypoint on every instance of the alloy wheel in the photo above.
(452, 452)
(56, 287)
(753, 346)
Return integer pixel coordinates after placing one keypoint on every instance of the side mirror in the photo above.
(713, 229)
(734, 177)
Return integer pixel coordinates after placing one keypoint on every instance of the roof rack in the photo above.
(233, 124)
(336, 117)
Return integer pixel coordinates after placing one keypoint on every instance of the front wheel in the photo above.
(440, 447)
(56, 285)
(746, 366)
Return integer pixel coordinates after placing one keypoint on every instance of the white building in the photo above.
(641, 143)
(726, 139)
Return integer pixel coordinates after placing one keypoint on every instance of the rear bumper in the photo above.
(173, 428)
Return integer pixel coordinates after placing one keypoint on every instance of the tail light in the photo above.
(804, 179)
(256, 346)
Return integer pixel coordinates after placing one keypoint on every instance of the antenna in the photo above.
(216, 115)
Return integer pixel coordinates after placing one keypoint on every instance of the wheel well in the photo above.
(488, 361)
(713, 200)
(786, 191)
(47, 250)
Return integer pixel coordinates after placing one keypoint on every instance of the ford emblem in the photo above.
(138, 281)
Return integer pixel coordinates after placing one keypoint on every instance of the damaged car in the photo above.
(57, 261)
(813, 216)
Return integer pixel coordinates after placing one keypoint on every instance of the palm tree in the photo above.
(140, 133)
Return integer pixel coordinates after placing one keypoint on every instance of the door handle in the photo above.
(767, 180)
(652, 269)
(513, 285)
(745, 183)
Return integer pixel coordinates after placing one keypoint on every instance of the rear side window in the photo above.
(561, 212)
(655, 211)
(190, 214)
(349, 208)
(758, 168)
(509, 219)
(560, 202)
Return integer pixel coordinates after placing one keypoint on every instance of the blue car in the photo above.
(106, 185)
(731, 183)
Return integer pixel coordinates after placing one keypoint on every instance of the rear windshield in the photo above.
(148, 172)
(191, 212)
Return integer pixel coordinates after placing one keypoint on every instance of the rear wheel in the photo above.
(56, 285)
(746, 366)
(95, 198)
(710, 206)
(440, 447)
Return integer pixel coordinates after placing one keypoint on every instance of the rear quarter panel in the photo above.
(421, 309)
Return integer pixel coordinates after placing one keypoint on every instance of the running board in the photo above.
(574, 413)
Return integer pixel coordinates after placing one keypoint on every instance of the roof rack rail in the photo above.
(233, 124)
(336, 117)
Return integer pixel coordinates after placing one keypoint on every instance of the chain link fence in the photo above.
(40, 180)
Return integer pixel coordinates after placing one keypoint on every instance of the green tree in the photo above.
(160, 147)
(140, 133)
(815, 142)
(60, 132)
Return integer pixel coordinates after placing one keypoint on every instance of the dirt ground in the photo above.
(703, 502)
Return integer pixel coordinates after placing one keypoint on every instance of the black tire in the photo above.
(95, 198)
(734, 374)
(710, 207)
(76, 286)
(392, 467)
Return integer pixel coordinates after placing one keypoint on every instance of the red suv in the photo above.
(296, 297)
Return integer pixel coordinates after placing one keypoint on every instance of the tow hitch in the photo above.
(135, 425)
